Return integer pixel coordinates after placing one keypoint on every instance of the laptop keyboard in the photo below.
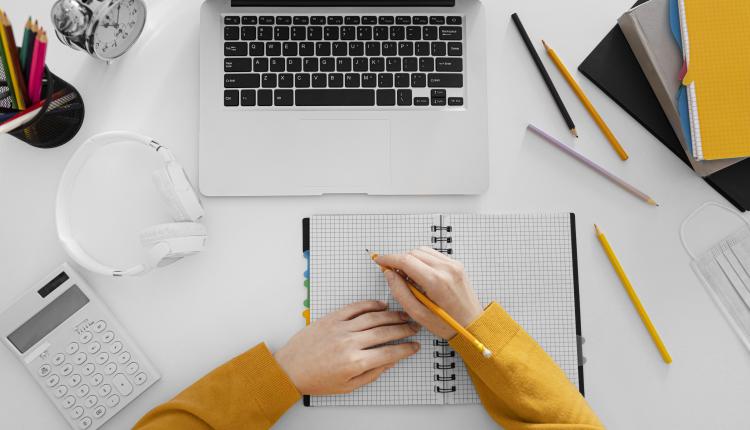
(344, 60)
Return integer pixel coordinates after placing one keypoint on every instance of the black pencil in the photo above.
(545, 75)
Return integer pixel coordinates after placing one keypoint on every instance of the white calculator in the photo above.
(75, 349)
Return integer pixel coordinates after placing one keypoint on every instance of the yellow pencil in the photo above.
(586, 102)
(633, 296)
(11, 55)
(437, 310)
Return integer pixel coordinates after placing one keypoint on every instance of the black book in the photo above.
(613, 67)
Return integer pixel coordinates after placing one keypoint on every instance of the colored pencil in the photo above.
(37, 66)
(437, 310)
(597, 168)
(11, 51)
(5, 59)
(586, 102)
(26, 47)
(543, 71)
(633, 296)
(21, 117)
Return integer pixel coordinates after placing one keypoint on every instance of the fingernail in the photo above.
(404, 316)
(382, 304)
(414, 325)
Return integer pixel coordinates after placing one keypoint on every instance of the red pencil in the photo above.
(37, 67)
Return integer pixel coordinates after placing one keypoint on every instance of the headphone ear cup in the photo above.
(178, 193)
(167, 243)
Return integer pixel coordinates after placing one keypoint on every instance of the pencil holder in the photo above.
(59, 118)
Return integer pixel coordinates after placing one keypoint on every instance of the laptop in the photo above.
(313, 97)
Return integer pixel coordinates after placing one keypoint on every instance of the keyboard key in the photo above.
(281, 98)
(420, 20)
(426, 64)
(235, 49)
(294, 64)
(260, 65)
(411, 64)
(344, 64)
(265, 97)
(404, 97)
(306, 49)
(242, 80)
(356, 49)
(84, 423)
(393, 64)
(360, 64)
(413, 33)
(108, 336)
(88, 368)
(286, 80)
(273, 49)
(237, 65)
(348, 33)
(437, 20)
(281, 33)
(454, 20)
(386, 97)
(314, 33)
(289, 49)
(231, 33)
(364, 33)
(249, 20)
(68, 402)
(268, 80)
(52, 381)
(351, 80)
(79, 358)
(86, 336)
(403, 20)
(447, 64)
(372, 49)
(438, 94)
(266, 20)
(380, 33)
(451, 33)
(422, 49)
(398, 32)
(369, 80)
(438, 49)
(390, 48)
(377, 64)
(75, 379)
(90, 401)
(44, 370)
(248, 33)
(247, 97)
(265, 33)
(327, 64)
(405, 49)
(323, 49)
(58, 359)
(455, 49)
(421, 101)
(82, 391)
(256, 49)
(302, 80)
(318, 81)
(97, 378)
(335, 20)
(386, 20)
(232, 20)
(298, 33)
(117, 346)
(331, 33)
(339, 49)
(283, 20)
(99, 411)
(72, 348)
(66, 369)
(336, 97)
(60, 391)
(113, 400)
(335, 80)
(385, 80)
(429, 33)
(122, 384)
(351, 20)
(276, 64)
(455, 101)
(310, 64)
(369, 20)
(445, 80)
(403, 81)
(438, 101)
(317, 20)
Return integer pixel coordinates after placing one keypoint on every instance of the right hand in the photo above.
(442, 279)
(345, 349)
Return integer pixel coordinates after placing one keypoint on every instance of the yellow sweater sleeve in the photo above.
(249, 392)
(520, 385)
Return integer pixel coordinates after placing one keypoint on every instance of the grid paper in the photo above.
(523, 262)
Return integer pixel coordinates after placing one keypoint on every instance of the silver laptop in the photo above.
(311, 97)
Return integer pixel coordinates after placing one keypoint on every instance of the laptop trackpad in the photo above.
(344, 153)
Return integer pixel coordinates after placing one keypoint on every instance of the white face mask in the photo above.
(724, 270)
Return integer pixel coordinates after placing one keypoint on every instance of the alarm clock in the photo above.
(105, 29)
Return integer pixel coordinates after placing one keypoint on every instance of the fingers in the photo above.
(381, 356)
(403, 295)
(415, 268)
(387, 333)
(435, 253)
(356, 309)
(429, 258)
(375, 319)
(368, 377)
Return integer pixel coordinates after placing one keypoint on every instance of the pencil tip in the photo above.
(574, 131)
(597, 229)
(652, 202)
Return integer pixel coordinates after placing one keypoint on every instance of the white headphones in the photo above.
(164, 243)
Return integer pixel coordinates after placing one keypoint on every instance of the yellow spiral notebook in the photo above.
(716, 42)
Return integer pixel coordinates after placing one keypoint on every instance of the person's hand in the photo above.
(342, 351)
(442, 279)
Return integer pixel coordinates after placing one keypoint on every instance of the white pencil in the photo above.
(599, 169)
(20, 118)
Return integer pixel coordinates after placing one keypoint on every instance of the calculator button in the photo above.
(72, 348)
(107, 337)
(84, 423)
(122, 384)
(90, 401)
(68, 402)
(53, 380)
(66, 369)
(88, 369)
(132, 368)
(94, 347)
(97, 379)
(116, 347)
(44, 370)
(105, 390)
(86, 336)
(60, 391)
(124, 357)
(110, 368)
(113, 400)
(99, 326)
(76, 412)
(79, 358)
(74, 380)
(58, 360)
(102, 358)
(99, 411)
(82, 390)
(140, 378)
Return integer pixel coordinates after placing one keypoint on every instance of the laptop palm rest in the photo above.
(350, 156)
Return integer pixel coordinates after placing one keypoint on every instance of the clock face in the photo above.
(119, 28)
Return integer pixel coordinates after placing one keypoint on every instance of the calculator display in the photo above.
(48, 319)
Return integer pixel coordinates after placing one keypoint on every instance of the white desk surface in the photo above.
(246, 287)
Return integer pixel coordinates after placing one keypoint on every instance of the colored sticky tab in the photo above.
(306, 303)
(306, 316)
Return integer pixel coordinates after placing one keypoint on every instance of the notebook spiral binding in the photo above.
(441, 242)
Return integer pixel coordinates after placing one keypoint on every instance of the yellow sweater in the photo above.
(520, 386)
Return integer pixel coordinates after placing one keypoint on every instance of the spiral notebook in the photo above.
(526, 262)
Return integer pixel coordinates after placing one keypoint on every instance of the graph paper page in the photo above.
(341, 273)
(524, 262)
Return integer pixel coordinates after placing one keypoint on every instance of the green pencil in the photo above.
(26, 48)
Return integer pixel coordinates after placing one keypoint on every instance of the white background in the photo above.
(246, 287)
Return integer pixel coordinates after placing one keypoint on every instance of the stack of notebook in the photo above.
(674, 65)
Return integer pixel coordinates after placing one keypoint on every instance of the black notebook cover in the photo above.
(614, 69)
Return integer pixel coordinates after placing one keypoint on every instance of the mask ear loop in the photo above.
(695, 212)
